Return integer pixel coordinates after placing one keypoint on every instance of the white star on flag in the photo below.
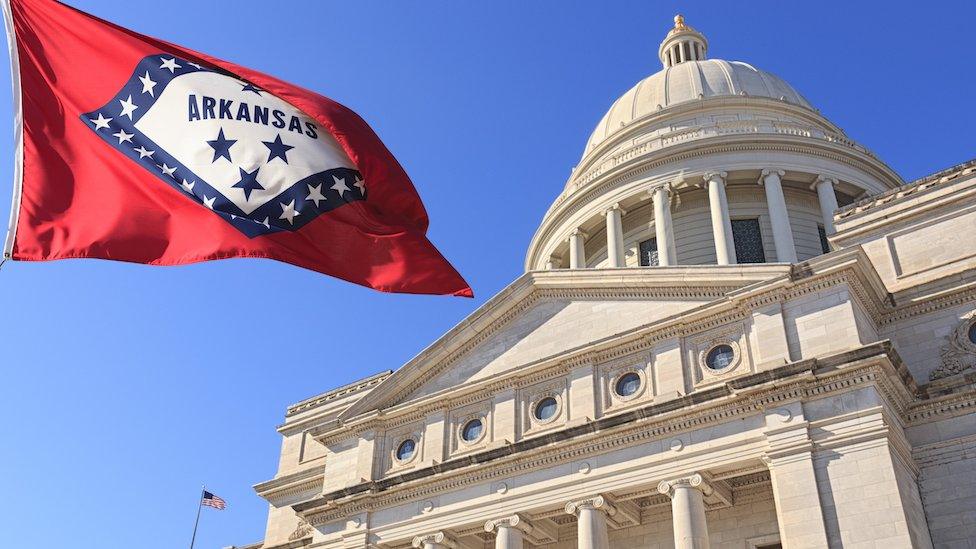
(128, 107)
(266, 223)
(124, 136)
(361, 185)
(315, 194)
(147, 84)
(166, 169)
(194, 65)
(209, 202)
(188, 185)
(169, 64)
(144, 152)
(340, 185)
(100, 122)
(289, 212)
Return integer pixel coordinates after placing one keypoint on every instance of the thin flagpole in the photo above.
(8, 245)
(197, 522)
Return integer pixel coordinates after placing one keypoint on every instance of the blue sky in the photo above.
(126, 387)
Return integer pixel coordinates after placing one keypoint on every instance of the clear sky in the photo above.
(126, 387)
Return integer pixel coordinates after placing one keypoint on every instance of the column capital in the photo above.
(598, 502)
(615, 206)
(579, 232)
(696, 480)
(823, 179)
(667, 187)
(439, 538)
(516, 521)
(715, 175)
(768, 172)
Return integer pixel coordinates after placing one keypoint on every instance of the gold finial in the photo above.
(679, 22)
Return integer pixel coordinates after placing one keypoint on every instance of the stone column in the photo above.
(663, 229)
(437, 540)
(591, 522)
(577, 254)
(688, 510)
(776, 202)
(615, 236)
(508, 531)
(828, 201)
(718, 205)
(513, 531)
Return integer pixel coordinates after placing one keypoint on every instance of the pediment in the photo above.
(544, 314)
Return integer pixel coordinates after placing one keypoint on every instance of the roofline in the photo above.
(349, 388)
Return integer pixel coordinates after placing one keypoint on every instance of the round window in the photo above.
(972, 333)
(720, 357)
(406, 449)
(627, 384)
(546, 408)
(471, 430)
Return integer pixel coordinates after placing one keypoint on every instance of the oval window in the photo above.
(972, 333)
(546, 408)
(720, 357)
(471, 430)
(627, 384)
(406, 449)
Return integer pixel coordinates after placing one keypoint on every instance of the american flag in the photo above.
(211, 500)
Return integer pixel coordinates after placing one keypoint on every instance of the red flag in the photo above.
(135, 149)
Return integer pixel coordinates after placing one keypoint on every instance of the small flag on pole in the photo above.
(210, 500)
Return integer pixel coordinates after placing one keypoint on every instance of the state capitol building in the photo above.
(738, 328)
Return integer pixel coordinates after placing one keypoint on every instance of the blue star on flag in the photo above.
(248, 182)
(277, 149)
(248, 87)
(221, 146)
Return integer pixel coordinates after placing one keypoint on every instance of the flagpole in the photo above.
(197, 522)
(18, 184)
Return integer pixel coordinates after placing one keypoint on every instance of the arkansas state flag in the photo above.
(135, 149)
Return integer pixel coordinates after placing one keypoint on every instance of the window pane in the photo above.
(748, 241)
(648, 253)
(824, 245)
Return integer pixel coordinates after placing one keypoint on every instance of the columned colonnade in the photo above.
(592, 514)
(714, 183)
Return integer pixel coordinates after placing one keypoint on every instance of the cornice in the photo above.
(291, 485)
(868, 365)
(909, 190)
(345, 390)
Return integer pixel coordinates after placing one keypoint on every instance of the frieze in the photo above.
(627, 434)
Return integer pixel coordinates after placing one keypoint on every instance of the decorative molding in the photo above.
(345, 390)
(295, 485)
(867, 366)
(303, 530)
(908, 190)
(959, 352)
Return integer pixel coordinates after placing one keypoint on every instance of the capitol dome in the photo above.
(705, 162)
(692, 81)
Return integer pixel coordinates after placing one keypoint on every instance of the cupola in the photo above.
(682, 44)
